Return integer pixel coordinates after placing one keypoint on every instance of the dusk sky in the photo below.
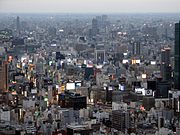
(89, 6)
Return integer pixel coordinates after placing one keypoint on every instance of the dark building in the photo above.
(120, 120)
(61, 100)
(151, 84)
(163, 88)
(109, 92)
(75, 100)
(165, 64)
(136, 84)
(18, 41)
(47, 82)
(177, 56)
(160, 122)
(88, 73)
(148, 102)
(59, 56)
(18, 25)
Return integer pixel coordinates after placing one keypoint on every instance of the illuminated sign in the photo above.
(10, 58)
(144, 76)
(138, 61)
(110, 88)
(45, 99)
(33, 91)
(140, 91)
(125, 61)
(134, 61)
(62, 88)
(153, 62)
(70, 86)
(121, 87)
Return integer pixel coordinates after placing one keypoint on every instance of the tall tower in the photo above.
(121, 120)
(165, 64)
(100, 54)
(18, 25)
(177, 55)
(3, 75)
(95, 27)
(136, 48)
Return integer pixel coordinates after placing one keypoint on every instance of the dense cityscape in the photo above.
(89, 74)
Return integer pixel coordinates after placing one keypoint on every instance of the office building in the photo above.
(100, 54)
(178, 130)
(160, 122)
(3, 75)
(109, 91)
(95, 29)
(120, 120)
(75, 101)
(18, 25)
(151, 84)
(148, 102)
(136, 48)
(177, 56)
(163, 88)
(165, 64)
(89, 72)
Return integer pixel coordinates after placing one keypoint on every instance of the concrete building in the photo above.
(3, 75)
(121, 120)
(79, 129)
(136, 48)
(100, 54)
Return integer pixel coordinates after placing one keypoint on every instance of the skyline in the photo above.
(90, 6)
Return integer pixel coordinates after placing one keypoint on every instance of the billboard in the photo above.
(153, 62)
(110, 88)
(140, 91)
(121, 87)
(70, 86)
(149, 92)
(78, 84)
(125, 61)
(33, 91)
(144, 76)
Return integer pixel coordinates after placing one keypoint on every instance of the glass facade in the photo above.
(177, 55)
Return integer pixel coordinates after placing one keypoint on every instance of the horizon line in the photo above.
(90, 12)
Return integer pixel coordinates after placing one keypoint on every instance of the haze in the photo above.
(89, 6)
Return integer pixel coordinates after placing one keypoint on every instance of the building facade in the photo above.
(177, 56)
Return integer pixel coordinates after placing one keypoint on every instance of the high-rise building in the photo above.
(3, 75)
(163, 88)
(121, 120)
(104, 20)
(100, 54)
(165, 64)
(18, 24)
(94, 27)
(177, 56)
(136, 50)
(148, 102)
(74, 100)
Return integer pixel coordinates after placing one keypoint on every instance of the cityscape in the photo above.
(89, 73)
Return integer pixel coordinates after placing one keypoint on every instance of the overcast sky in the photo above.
(89, 6)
